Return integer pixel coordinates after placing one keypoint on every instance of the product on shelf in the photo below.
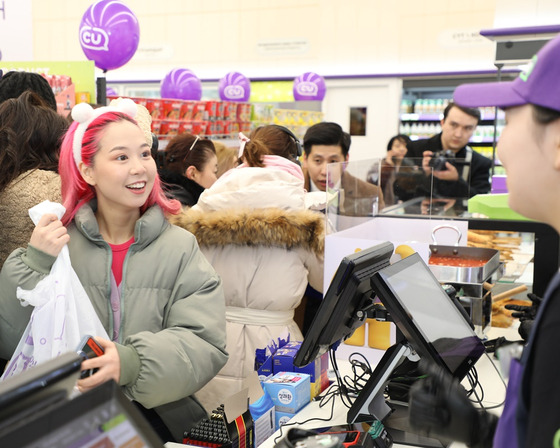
(243, 112)
(169, 128)
(171, 109)
(58, 83)
(220, 119)
(217, 432)
(64, 92)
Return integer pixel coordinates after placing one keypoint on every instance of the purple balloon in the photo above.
(181, 84)
(234, 87)
(109, 34)
(111, 92)
(309, 87)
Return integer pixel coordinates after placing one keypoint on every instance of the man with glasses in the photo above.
(458, 171)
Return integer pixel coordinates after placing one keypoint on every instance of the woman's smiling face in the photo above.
(123, 170)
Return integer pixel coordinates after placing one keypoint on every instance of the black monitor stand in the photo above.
(371, 403)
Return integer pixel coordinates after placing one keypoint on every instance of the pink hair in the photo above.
(76, 191)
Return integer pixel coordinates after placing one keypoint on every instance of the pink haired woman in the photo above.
(158, 298)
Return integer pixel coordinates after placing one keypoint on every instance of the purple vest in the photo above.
(511, 431)
(506, 431)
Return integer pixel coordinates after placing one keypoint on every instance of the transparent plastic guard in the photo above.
(402, 190)
(351, 197)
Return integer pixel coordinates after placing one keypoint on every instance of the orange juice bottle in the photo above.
(379, 334)
(359, 336)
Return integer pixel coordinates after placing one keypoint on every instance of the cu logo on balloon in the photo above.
(234, 87)
(94, 38)
(307, 88)
(234, 92)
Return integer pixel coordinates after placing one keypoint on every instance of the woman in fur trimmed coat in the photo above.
(253, 227)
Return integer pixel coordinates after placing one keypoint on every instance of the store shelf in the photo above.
(221, 120)
(439, 116)
(421, 117)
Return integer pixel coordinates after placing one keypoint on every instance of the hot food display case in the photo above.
(467, 270)
(496, 254)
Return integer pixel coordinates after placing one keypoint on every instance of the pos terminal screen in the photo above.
(425, 314)
(102, 417)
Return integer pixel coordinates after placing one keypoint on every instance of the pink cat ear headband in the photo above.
(84, 114)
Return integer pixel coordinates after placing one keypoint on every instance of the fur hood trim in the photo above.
(271, 227)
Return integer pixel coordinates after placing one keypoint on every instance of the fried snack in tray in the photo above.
(479, 237)
(489, 239)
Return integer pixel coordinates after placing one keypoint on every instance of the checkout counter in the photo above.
(314, 416)
(534, 259)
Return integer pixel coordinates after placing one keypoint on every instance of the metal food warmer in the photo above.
(467, 269)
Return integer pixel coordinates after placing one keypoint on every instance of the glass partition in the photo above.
(360, 190)
(351, 197)
(408, 189)
(365, 188)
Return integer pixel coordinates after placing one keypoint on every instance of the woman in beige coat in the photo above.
(253, 227)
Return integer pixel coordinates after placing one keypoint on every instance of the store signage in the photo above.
(276, 47)
(462, 37)
(151, 52)
(271, 91)
(16, 30)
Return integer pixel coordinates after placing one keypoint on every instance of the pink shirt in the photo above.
(119, 254)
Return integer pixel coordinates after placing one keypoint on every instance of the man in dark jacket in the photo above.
(465, 173)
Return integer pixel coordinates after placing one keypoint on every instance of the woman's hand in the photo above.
(49, 235)
(109, 365)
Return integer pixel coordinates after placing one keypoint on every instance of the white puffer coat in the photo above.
(253, 227)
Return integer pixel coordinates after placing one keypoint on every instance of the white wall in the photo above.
(16, 18)
(381, 97)
(521, 13)
(330, 37)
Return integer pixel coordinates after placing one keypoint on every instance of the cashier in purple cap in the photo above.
(529, 149)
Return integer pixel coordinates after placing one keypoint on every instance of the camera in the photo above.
(439, 159)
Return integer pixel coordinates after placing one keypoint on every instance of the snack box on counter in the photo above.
(283, 361)
(289, 391)
(281, 418)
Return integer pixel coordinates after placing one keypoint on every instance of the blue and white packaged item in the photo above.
(289, 391)
(263, 413)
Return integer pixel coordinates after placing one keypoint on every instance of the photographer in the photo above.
(458, 171)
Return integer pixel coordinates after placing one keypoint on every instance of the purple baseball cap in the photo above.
(538, 84)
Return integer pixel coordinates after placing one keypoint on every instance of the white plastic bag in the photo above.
(62, 312)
